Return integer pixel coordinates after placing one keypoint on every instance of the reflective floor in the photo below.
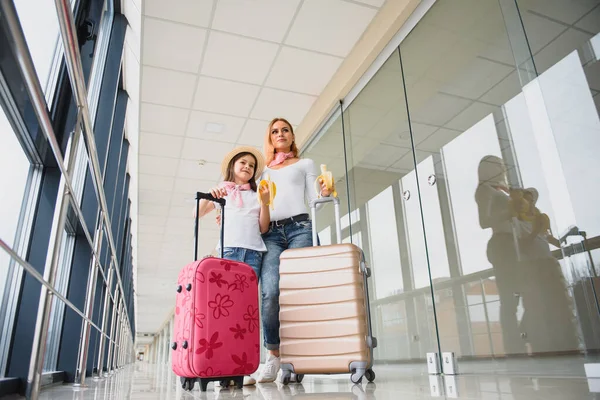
(146, 381)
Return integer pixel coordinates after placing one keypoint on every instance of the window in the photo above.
(39, 21)
(14, 211)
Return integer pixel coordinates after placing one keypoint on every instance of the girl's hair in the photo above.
(231, 173)
(269, 149)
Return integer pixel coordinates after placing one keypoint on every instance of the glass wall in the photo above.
(472, 166)
(55, 288)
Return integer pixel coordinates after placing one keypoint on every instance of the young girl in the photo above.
(246, 219)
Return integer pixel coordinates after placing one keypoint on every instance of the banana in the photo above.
(272, 190)
(327, 177)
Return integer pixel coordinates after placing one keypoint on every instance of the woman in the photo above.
(290, 225)
(524, 268)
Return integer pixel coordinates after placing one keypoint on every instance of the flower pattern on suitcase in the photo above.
(218, 318)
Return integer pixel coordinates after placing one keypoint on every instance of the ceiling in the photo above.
(203, 77)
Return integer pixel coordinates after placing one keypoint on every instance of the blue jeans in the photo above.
(251, 257)
(291, 236)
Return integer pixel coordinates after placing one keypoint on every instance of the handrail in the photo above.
(75, 70)
(33, 272)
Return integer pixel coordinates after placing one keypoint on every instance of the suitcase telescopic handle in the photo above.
(221, 202)
(336, 208)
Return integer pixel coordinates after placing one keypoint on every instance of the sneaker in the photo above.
(269, 370)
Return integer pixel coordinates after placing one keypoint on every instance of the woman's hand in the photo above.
(265, 194)
(218, 192)
(325, 192)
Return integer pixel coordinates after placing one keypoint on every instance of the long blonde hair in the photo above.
(269, 149)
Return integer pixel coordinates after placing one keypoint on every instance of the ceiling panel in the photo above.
(540, 30)
(192, 185)
(197, 149)
(154, 197)
(183, 199)
(438, 139)
(153, 209)
(591, 22)
(302, 71)
(162, 119)
(567, 12)
(254, 18)
(158, 165)
(155, 144)
(225, 97)
(476, 78)
(223, 128)
(180, 212)
(254, 133)
(192, 12)
(273, 103)
(170, 88)
(470, 116)
(173, 46)
(194, 170)
(258, 57)
(155, 182)
(335, 31)
(152, 220)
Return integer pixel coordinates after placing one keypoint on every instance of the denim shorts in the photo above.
(251, 257)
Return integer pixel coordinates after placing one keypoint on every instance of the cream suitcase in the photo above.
(325, 322)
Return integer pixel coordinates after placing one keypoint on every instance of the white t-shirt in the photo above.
(295, 188)
(242, 228)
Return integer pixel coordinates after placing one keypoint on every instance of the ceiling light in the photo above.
(213, 127)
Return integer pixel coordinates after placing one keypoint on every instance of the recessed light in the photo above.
(213, 127)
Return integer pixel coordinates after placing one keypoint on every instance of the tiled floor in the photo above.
(153, 382)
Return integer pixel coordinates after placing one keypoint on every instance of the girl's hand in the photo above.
(265, 195)
(325, 192)
(218, 192)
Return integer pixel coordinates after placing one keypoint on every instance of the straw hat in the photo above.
(260, 160)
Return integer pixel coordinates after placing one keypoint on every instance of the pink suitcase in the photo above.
(325, 321)
(216, 319)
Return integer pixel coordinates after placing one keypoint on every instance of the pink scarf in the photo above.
(234, 191)
(280, 158)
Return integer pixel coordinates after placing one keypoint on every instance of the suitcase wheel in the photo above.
(224, 383)
(356, 377)
(370, 375)
(286, 377)
(187, 383)
(299, 378)
(204, 384)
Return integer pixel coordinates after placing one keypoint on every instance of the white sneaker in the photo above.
(269, 370)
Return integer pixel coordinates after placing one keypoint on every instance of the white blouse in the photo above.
(242, 228)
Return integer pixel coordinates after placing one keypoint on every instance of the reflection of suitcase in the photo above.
(324, 309)
(586, 289)
(216, 328)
